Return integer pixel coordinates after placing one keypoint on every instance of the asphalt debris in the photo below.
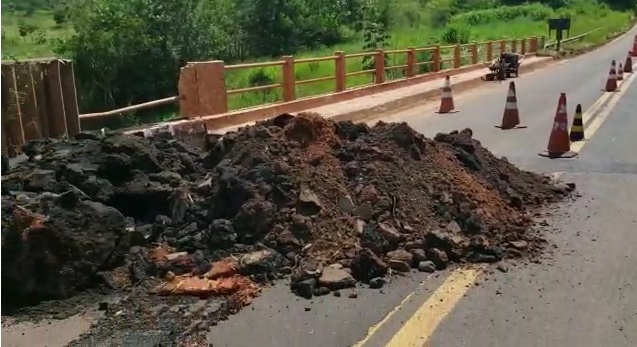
(185, 237)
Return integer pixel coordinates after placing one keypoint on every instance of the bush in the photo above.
(456, 33)
(535, 12)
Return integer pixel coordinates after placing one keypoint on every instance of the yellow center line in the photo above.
(596, 123)
(418, 329)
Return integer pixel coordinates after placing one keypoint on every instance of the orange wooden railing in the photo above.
(203, 91)
(206, 80)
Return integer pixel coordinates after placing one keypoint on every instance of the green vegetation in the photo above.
(130, 51)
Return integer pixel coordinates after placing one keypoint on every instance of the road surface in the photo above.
(585, 297)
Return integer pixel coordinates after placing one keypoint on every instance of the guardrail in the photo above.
(570, 39)
(203, 91)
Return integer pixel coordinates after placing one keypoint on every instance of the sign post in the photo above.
(559, 25)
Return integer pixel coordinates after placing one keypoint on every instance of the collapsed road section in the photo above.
(185, 237)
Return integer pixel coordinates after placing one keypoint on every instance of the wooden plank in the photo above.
(69, 94)
(37, 74)
(28, 105)
(11, 120)
(57, 114)
(5, 139)
(188, 92)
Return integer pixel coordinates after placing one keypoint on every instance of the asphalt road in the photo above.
(582, 298)
(585, 296)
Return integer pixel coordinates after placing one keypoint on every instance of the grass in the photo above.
(37, 44)
(40, 43)
(610, 22)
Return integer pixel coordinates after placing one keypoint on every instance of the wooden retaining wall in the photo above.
(39, 100)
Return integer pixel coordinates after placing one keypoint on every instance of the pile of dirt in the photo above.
(330, 204)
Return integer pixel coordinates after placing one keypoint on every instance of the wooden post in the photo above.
(533, 45)
(411, 62)
(436, 59)
(489, 50)
(456, 56)
(523, 46)
(69, 97)
(11, 120)
(379, 66)
(211, 87)
(514, 46)
(29, 113)
(503, 46)
(340, 71)
(57, 115)
(288, 84)
(474, 53)
(188, 93)
(39, 85)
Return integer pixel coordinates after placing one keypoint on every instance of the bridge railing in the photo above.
(39, 97)
(206, 80)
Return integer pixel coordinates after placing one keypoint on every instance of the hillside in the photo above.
(113, 43)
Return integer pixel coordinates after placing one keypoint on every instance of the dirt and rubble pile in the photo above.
(329, 203)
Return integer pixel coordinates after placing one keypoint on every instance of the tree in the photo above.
(127, 52)
(375, 32)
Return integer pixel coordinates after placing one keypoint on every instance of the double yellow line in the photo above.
(595, 116)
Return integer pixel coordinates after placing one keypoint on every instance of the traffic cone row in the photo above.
(560, 139)
(617, 74)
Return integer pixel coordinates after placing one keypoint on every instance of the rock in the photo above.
(359, 227)
(320, 291)
(438, 257)
(376, 282)
(306, 269)
(336, 293)
(221, 234)
(389, 232)
(309, 202)
(305, 288)
(502, 268)
(173, 256)
(281, 167)
(399, 265)
(369, 193)
(367, 265)
(427, 266)
(419, 244)
(401, 255)
(266, 260)
(364, 211)
(418, 255)
(519, 244)
(346, 204)
(353, 295)
(453, 227)
(335, 279)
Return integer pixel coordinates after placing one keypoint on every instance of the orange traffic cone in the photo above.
(634, 52)
(628, 66)
(611, 82)
(559, 142)
(511, 117)
(446, 100)
(620, 72)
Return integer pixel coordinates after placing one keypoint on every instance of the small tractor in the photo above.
(503, 67)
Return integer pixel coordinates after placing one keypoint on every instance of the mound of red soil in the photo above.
(329, 203)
